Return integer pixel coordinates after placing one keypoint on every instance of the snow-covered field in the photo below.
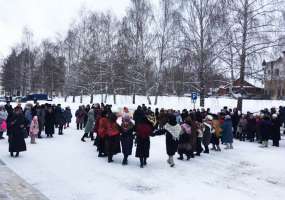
(215, 104)
(64, 168)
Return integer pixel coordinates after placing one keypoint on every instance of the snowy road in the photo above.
(63, 168)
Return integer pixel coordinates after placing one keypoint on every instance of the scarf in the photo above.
(173, 130)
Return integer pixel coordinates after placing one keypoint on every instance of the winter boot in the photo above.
(110, 158)
(84, 136)
(264, 144)
(125, 160)
(171, 161)
(227, 146)
(231, 146)
(144, 161)
(101, 155)
(11, 154)
(141, 162)
(180, 157)
(1, 136)
(206, 150)
(17, 154)
(213, 148)
(218, 148)
(188, 157)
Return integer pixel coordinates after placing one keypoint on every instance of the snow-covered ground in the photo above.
(64, 168)
(215, 104)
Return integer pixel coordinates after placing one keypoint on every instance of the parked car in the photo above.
(2, 99)
(35, 97)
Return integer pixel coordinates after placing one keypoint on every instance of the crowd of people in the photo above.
(188, 133)
(30, 121)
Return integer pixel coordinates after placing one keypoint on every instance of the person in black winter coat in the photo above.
(127, 137)
(184, 114)
(265, 129)
(207, 133)
(9, 108)
(16, 125)
(198, 116)
(144, 129)
(282, 115)
(172, 130)
(68, 116)
(61, 121)
(235, 120)
(57, 114)
(49, 122)
(275, 134)
(251, 128)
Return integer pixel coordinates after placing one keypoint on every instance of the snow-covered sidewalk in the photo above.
(64, 168)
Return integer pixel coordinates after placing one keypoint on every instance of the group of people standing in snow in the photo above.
(261, 127)
(31, 121)
(187, 133)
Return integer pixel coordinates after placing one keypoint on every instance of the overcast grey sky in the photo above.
(45, 17)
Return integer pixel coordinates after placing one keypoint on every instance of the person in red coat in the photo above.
(112, 142)
(101, 128)
(144, 130)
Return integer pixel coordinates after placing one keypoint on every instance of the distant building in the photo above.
(274, 83)
(248, 89)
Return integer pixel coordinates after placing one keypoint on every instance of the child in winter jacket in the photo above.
(3, 124)
(34, 129)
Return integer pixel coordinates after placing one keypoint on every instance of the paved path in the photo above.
(12, 187)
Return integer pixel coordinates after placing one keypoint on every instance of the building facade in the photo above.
(274, 80)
